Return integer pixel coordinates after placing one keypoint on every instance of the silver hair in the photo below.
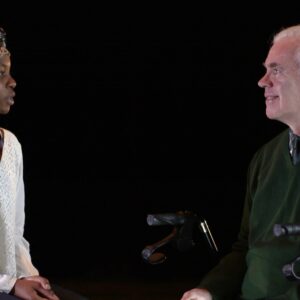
(292, 31)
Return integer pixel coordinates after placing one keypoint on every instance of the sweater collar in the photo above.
(294, 147)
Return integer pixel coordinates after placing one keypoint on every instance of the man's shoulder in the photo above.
(270, 147)
(281, 137)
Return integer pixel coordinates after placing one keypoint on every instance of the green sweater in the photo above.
(253, 268)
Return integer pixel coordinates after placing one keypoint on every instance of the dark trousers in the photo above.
(62, 293)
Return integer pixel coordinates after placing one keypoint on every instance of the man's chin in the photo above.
(271, 114)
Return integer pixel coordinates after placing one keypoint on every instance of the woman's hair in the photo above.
(3, 49)
(2, 38)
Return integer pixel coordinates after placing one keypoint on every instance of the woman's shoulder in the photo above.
(9, 136)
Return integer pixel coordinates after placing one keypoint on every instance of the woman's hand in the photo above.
(33, 288)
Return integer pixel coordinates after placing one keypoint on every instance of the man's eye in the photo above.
(275, 71)
(2, 73)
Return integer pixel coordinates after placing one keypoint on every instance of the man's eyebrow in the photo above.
(271, 65)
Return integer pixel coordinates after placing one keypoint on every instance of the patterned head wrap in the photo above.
(3, 49)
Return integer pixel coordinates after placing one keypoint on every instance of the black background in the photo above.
(126, 111)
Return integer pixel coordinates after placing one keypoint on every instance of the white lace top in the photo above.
(15, 261)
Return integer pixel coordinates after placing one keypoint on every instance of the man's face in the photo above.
(7, 85)
(282, 82)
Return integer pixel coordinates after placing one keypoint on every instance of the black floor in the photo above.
(127, 289)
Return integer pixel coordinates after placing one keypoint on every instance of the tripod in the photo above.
(184, 223)
(290, 270)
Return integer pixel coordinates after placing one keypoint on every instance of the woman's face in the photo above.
(7, 85)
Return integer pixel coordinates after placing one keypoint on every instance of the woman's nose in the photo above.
(12, 83)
